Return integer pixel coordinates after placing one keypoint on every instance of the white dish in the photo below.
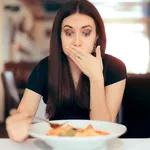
(39, 131)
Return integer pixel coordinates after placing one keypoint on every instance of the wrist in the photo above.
(96, 79)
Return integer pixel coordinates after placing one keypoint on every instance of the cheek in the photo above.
(89, 43)
(89, 47)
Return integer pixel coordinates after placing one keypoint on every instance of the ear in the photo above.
(97, 37)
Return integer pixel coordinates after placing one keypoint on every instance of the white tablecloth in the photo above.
(119, 144)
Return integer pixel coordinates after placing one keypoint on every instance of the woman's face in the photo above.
(78, 30)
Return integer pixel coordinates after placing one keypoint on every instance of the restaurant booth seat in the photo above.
(21, 72)
(15, 77)
(136, 106)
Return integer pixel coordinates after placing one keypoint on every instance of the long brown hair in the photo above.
(62, 92)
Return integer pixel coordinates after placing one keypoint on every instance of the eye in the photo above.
(86, 34)
(69, 33)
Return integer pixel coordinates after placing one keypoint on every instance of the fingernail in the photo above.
(12, 111)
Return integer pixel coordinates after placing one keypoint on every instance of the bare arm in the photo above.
(114, 94)
(98, 106)
(18, 123)
(105, 101)
(29, 102)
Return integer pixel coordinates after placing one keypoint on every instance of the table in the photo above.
(119, 144)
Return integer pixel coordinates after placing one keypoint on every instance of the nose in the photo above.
(77, 41)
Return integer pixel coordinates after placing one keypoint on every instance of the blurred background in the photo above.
(25, 27)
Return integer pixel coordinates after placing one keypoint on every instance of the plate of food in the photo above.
(77, 134)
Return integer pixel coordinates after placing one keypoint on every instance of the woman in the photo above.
(84, 82)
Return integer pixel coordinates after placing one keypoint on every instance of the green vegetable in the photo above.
(70, 132)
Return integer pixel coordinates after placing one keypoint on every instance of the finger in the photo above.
(16, 117)
(13, 111)
(13, 126)
(98, 52)
(75, 54)
(75, 59)
(19, 130)
(19, 122)
(79, 50)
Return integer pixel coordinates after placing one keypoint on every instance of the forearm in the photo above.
(98, 105)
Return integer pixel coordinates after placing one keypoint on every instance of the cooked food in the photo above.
(69, 130)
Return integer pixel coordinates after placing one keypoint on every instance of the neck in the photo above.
(75, 71)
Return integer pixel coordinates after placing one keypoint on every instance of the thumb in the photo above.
(98, 52)
(13, 111)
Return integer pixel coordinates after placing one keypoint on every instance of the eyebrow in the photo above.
(82, 27)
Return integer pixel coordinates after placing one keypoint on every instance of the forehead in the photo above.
(78, 20)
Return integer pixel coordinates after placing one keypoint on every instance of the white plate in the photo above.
(39, 131)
